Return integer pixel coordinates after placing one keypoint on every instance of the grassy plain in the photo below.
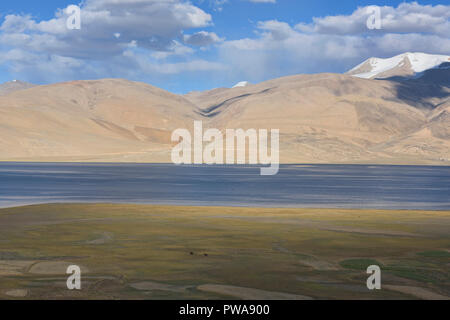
(171, 252)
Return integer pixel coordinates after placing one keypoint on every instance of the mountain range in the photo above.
(383, 111)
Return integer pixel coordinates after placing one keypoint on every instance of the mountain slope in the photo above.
(330, 117)
(91, 120)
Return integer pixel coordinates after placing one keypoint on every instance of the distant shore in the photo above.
(399, 162)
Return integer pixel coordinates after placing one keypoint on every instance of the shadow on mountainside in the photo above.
(423, 90)
(214, 110)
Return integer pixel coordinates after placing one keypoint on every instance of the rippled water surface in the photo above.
(330, 186)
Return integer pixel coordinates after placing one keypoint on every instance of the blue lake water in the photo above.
(325, 186)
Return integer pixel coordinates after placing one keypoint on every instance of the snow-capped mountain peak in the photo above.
(241, 84)
(406, 64)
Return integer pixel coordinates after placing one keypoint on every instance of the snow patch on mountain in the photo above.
(241, 84)
(418, 62)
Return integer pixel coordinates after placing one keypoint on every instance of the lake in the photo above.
(326, 186)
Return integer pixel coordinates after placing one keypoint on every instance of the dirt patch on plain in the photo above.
(150, 286)
(319, 264)
(417, 292)
(370, 231)
(14, 267)
(250, 293)
(105, 237)
(17, 293)
(53, 267)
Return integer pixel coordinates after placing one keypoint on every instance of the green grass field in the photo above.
(169, 252)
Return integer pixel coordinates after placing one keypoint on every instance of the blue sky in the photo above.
(201, 44)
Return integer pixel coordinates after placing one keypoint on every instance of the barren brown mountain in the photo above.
(104, 120)
(323, 118)
(331, 118)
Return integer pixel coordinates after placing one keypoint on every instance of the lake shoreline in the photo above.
(176, 206)
(430, 163)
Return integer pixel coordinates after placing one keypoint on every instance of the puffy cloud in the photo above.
(202, 38)
(151, 23)
(139, 61)
(407, 17)
(109, 28)
(276, 30)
